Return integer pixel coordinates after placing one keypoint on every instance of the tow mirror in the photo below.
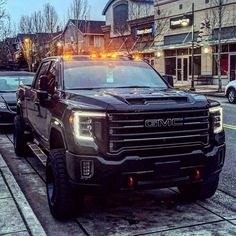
(43, 88)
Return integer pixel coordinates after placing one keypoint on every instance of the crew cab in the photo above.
(103, 124)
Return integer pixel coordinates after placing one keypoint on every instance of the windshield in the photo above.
(11, 83)
(110, 74)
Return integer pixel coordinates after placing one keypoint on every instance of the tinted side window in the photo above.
(43, 71)
(52, 78)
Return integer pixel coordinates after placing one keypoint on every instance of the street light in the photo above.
(185, 22)
(27, 40)
(59, 44)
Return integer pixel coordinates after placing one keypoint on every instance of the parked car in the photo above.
(230, 91)
(9, 82)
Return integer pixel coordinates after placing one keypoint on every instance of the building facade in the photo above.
(129, 27)
(173, 40)
(81, 36)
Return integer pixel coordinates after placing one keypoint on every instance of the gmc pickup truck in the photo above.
(114, 124)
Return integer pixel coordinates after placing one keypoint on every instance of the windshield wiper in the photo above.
(135, 87)
(7, 91)
(81, 88)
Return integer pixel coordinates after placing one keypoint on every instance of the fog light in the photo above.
(131, 182)
(87, 169)
(197, 175)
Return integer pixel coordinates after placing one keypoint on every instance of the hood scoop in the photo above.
(157, 100)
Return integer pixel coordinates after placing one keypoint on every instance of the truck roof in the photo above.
(95, 57)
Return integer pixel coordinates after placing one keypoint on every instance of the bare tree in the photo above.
(6, 28)
(217, 16)
(38, 22)
(2, 18)
(51, 18)
(26, 24)
(2, 9)
(78, 11)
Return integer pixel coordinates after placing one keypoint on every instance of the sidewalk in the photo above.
(208, 90)
(16, 215)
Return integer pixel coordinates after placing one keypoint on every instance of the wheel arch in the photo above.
(228, 89)
(56, 140)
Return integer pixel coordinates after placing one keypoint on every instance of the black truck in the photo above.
(102, 124)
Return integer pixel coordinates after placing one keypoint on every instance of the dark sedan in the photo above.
(9, 82)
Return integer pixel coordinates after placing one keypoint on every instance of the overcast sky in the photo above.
(16, 8)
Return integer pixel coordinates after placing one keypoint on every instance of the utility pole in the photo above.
(219, 46)
(192, 58)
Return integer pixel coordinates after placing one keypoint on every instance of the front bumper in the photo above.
(7, 118)
(146, 172)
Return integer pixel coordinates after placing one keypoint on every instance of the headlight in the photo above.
(217, 117)
(82, 123)
(3, 105)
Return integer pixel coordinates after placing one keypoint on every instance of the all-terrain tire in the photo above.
(20, 138)
(199, 191)
(63, 201)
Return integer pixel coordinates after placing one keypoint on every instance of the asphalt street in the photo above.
(156, 212)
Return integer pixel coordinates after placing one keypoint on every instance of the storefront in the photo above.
(178, 63)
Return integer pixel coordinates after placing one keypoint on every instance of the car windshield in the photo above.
(11, 83)
(110, 74)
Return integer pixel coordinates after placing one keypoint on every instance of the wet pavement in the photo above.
(153, 212)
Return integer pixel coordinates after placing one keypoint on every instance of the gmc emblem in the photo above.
(163, 122)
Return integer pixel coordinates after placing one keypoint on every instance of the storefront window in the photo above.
(196, 50)
(224, 64)
(182, 51)
(232, 47)
(197, 65)
(170, 66)
(170, 53)
(224, 48)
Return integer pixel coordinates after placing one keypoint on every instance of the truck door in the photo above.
(53, 84)
(33, 108)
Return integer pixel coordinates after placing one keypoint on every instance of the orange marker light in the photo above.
(67, 57)
(113, 56)
(93, 56)
(72, 119)
(104, 55)
(137, 58)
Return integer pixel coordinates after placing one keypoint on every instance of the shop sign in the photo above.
(144, 31)
(149, 30)
(182, 21)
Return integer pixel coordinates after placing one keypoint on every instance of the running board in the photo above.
(38, 153)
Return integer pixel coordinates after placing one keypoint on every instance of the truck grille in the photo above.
(158, 130)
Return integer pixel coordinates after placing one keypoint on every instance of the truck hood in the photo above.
(135, 99)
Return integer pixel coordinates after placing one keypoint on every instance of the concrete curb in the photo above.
(28, 216)
(212, 94)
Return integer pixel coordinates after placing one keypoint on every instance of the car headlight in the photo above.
(3, 105)
(217, 119)
(82, 123)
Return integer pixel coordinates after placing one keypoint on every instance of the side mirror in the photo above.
(169, 79)
(43, 88)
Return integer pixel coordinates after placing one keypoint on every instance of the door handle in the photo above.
(36, 103)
